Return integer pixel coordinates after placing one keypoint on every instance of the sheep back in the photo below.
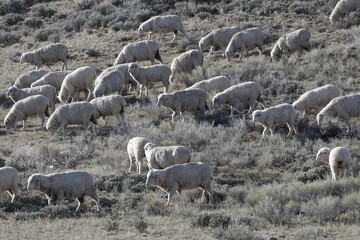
(108, 82)
(109, 105)
(9, 179)
(218, 38)
(342, 8)
(162, 157)
(26, 79)
(54, 79)
(213, 85)
(139, 51)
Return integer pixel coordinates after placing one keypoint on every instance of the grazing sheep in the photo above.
(123, 68)
(180, 177)
(163, 24)
(183, 101)
(72, 113)
(9, 179)
(27, 107)
(65, 185)
(219, 38)
(49, 54)
(150, 74)
(186, 62)
(213, 85)
(343, 107)
(81, 79)
(136, 151)
(342, 8)
(338, 158)
(109, 105)
(291, 42)
(245, 41)
(139, 51)
(54, 79)
(108, 82)
(26, 79)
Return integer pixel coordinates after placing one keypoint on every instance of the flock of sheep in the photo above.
(35, 93)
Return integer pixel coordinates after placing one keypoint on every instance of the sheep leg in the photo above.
(59, 198)
(149, 36)
(211, 49)
(240, 56)
(62, 127)
(175, 34)
(290, 126)
(260, 49)
(80, 201)
(266, 130)
(252, 107)
(64, 66)
(15, 191)
(95, 197)
(170, 195)
(173, 116)
(334, 173)
(42, 120)
(49, 67)
(23, 125)
(182, 116)
(142, 88)
(132, 159)
(347, 122)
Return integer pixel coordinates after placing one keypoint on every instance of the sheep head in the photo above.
(323, 155)
(164, 99)
(257, 116)
(34, 182)
(152, 178)
(9, 121)
(149, 146)
(26, 57)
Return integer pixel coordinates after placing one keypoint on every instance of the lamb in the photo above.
(183, 101)
(180, 177)
(72, 113)
(109, 105)
(108, 82)
(245, 41)
(27, 107)
(277, 115)
(343, 107)
(81, 79)
(150, 74)
(247, 92)
(26, 79)
(136, 151)
(139, 51)
(163, 157)
(65, 185)
(186, 62)
(342, 8)
(49, 54)
(219, 38)
(54, 79)
(291, 42)
(213, 85)
(163, 24)
(9, 179)
(338, 158)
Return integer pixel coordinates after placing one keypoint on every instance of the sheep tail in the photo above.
(47, 114)
(93, 119)
(157, 56)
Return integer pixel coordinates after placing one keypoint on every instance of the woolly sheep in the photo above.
(136, 151)
(123, 68)
(49, 54)
(343, 107)
(139, 51)
(342, 8)
(338, 158)
(26, 79)
(81, 79)
(163, 157)
(180, 177)
(65, 185)
(108, 82)
(163, 24)
(9, 179)
(291, 42)
(54, 79)
(245, 41)
(277, 115)
(109, 105)
(213, 85)
(186, 62)
(183, 101)
(27, 107)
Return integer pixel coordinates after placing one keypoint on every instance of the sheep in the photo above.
(108, 82)
(219, 38)
(245, 41)
(163, 24)
(163, 157)
(139, 51)
(109, 105)
(213, 85)
(123, 68)
(136, 151)
(277, 115)
(27, 107)
(54, 79)
(342, 8)
(48, 91)
(65, 185)
(183, 101)
(316, 99)
(26, 79)
(291, 42)
(247, 92)
(81, 79)
(72, 113)
(49, 54)
(180, 177)
(146, 75)
(338, 158)
(9, 179)
(343, 107)
(186, 62)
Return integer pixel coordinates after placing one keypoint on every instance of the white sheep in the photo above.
(177, 178)
(9, 179)
(65, 185)
(109, 105)
(26, 79)
(245, 41)
(136, 151)
(219, 38)
(342, 8)
(186, 62)
(343, 107)
(49, 54)
(27, 107)
(108, 82)
(139, 51)
(123, 68)
(81, 79)
(183, 101)
(213, 85)
(291, 42)
(54, 79)
(338, 158)
(163, 24)
(274, 116)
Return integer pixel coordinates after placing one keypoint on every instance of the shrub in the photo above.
(300, 8)
(117, 3)
(111, 225)
(13, 19)
(11, 6)
(44, 12)
(323, 210)
(235, 233)
(43, 34)
(86, 4)
(203, 15)
(140, 225)
(33, 22)
(156, 207)
(8, 38)
(54, 37)
(213, 220)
